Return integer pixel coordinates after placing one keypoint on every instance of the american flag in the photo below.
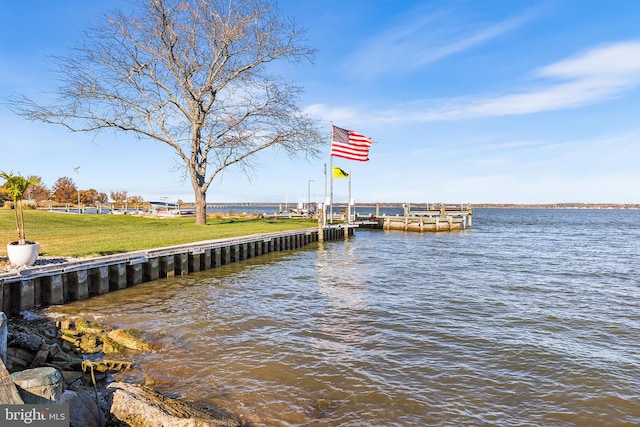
(349, 144)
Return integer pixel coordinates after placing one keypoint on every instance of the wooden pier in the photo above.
(55, 284)
(433, 218)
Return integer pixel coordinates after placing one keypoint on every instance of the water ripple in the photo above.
(532, 318)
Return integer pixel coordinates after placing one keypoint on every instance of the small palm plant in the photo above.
(16, 186)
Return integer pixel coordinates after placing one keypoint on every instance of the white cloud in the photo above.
(595, 75)
(614, 59)
(599, 74)
(335, 115)
(425, 37)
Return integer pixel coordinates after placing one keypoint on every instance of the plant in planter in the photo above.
(21, 252)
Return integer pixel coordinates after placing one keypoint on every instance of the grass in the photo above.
(73, 235)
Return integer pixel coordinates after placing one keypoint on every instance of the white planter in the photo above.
(23, 255)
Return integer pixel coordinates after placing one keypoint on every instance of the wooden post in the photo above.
(167, 266)
(216, 257)
(117, 276)
(321, 223)
(151, 269)
(181, 264)
(225, 255)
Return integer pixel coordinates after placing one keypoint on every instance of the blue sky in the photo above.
(468, 101)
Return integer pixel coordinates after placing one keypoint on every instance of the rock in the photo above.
(18, 358)
(54, 349)
(83, 410)
(109, 346)
(27, 341)
(4, 335)
(41, 357)
(50, 331)
(138, 406)
(89, 344)
(39, 385)
(88, 327)
(8, 391)
(63, 324)
(58, 348)
(67, 362)
(70, 343)
(129, 338)
(325, 406)
(71, 377)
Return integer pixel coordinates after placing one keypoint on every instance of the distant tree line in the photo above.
(64, 190)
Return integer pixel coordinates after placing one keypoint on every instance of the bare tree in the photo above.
(135, 200)
(119, 196)
(193, 74)
(39, 192)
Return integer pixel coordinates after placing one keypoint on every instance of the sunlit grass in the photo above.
(73, 235)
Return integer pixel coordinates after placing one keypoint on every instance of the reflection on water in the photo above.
(342, 327)
(532, 318)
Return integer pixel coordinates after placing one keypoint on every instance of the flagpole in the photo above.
(349, 201)
(331, 196)
(331, 176)
(324, 200)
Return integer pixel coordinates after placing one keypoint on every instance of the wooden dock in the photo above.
(433, 218)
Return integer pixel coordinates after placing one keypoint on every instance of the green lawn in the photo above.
(88, 235)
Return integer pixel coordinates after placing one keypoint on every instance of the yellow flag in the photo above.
(340, 173)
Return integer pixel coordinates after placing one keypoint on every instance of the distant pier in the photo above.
(432, 218)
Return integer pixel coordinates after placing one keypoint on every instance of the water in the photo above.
(530, 319)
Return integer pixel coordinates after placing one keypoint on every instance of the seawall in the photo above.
(41, 286)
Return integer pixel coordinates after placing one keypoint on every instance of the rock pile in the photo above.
(84, 354)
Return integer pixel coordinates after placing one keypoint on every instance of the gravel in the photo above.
(6, 267)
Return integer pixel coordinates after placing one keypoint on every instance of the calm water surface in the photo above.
(530, 319)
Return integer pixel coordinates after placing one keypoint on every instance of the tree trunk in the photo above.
(201, 208)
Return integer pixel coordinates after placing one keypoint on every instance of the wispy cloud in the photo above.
(595, 75)
(330, 114)
(425, 37)
(587, 78)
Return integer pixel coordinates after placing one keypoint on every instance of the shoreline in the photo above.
(120, 399)
(89, 377)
